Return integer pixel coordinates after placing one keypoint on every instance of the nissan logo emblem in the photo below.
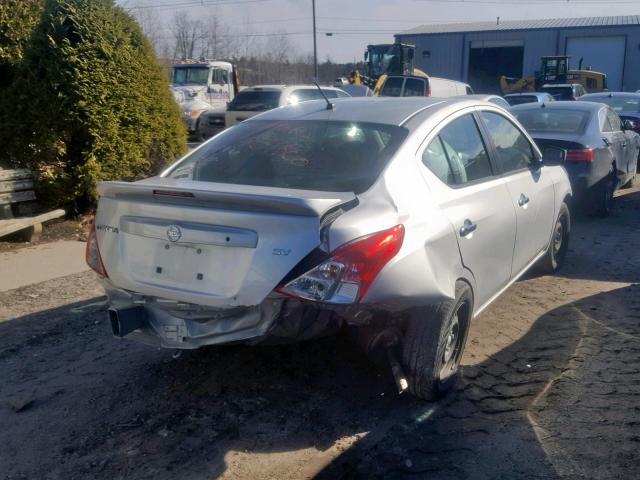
(174, 233)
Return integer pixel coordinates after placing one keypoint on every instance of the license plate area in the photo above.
(202, 269)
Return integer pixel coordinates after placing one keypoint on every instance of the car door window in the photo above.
(514, 152)
(414, 87)
(465, 157)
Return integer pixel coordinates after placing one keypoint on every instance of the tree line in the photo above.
(271, 59)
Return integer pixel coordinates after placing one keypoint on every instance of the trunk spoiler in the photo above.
(227, 196)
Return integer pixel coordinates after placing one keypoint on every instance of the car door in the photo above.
(476, 202)
(530, 187)
(621, 146)
(626, 148)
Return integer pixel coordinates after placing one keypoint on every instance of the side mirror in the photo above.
(553, 156)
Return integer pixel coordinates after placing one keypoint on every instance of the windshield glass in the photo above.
(556, 120)
(190, 75)
(619, 104)
(255, 101)
(309, 155)
(384, 58)
(559, 93)
(519, 100)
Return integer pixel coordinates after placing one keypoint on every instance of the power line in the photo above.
(535, 2)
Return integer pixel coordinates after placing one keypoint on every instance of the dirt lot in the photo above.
(550, 388)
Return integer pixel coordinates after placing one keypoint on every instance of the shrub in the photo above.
(91, 102)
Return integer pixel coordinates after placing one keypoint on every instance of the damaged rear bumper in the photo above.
(175, 324)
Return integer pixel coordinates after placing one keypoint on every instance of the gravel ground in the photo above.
(550, 388)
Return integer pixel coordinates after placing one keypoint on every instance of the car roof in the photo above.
(480, 96)
(530, 94)
(560, 105)
(384, 110)
(611, 95)
(562, 85)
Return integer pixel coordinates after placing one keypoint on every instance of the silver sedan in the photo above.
(403, 218)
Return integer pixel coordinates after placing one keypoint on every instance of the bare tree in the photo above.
(188, 36)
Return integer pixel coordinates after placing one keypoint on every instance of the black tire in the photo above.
(433, 344)
(603, 202)
(554, 257)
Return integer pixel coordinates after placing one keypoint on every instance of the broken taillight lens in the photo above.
(92, 253)
(347, 275)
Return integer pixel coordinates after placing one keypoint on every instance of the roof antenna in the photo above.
(330, 106)
(498, 21)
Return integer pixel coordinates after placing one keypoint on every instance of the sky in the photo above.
(357, 23)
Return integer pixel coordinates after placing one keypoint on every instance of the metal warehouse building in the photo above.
(479, 53)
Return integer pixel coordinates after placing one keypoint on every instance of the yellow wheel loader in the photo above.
(555, 70)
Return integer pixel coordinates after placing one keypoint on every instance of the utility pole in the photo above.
(315, 47)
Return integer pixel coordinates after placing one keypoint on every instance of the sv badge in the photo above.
(281, 252)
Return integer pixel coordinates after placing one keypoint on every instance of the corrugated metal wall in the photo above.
(448, 54)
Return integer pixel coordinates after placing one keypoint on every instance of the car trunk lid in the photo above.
(205, 243)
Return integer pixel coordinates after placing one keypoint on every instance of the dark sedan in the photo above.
(601, 156)
(627, 105)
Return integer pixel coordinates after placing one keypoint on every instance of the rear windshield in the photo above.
(520, 99)
(309, 155)
(560, 93)
(619, 104)
(392, 87)
(556, 120)
(255, 101)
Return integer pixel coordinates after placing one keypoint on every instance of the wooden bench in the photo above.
(17, 205)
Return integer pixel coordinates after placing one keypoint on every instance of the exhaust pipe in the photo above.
(125, 321)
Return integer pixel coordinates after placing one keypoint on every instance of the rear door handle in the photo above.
(624, 145)
(523, 200)
(467, 228)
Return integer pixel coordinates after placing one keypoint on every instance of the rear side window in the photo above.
(414, 87)
(614, 120)
(299, 154)
(465, 158)
(513, 149)
(499, 102)
(255, 101)
(392, 87)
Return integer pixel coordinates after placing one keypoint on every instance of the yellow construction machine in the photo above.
(386, 59)
(555, 70)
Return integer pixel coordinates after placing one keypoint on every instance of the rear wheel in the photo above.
(604, 196)
(557, 251)
(433, 344)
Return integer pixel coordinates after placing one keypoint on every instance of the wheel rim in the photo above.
(452, 345)
(558, 237)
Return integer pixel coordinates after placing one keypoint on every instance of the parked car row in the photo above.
(402, 218)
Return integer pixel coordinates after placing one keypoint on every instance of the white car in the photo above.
(254, 100)
(405, 217)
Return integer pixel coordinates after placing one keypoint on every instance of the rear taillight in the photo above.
(352, 268)
(427, 91)
(583, 155)
(92, 254)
